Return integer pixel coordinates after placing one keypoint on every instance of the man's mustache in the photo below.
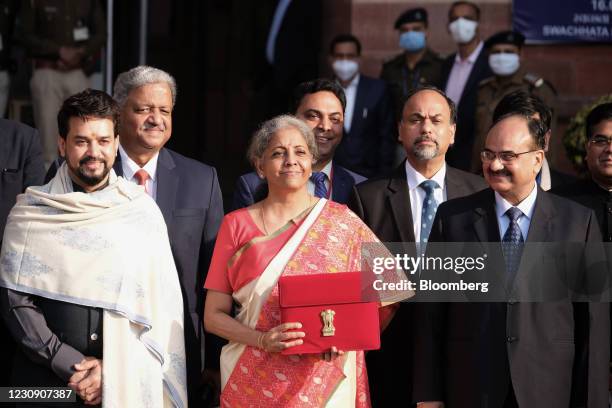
(88, 159)
(148, 126)
(503, 173)
(424, 138)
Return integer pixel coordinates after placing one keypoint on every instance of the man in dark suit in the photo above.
(320, 104)
(596, 192)
(395, 208)
(461, 73)
(521, 102)
(186, 191)
(368, 143)
(22, 165)
(512, 354)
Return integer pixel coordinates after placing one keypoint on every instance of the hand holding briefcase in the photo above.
(330, 308)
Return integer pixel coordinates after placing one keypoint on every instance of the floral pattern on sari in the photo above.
(272, 379)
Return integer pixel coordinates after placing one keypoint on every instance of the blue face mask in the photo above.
(412, 40)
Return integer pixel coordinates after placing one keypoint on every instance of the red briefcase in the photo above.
(331, 311)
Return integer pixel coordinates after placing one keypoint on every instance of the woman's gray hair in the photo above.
(261, 138)
(139, 76)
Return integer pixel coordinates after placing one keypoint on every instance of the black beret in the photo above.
(506, 37)
(411, 16)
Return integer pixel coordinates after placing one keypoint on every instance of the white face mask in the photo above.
(504, 64)
(463, 30)
(345, 69)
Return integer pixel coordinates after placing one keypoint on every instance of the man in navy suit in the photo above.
(186, 191)
(462, 72)
(369, 143)
(320, 104)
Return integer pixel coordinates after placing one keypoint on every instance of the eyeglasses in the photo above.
(600, 141)
(505, 157)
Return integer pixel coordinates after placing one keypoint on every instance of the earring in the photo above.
(261, 176)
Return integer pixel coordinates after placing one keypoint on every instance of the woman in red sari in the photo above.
(290, 232)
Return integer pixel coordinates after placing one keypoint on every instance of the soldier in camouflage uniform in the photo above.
(504, 58)
(417, 65)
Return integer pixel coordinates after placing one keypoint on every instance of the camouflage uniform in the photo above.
(401, 79)
(492, 90)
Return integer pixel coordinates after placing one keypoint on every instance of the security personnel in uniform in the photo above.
(417, 65)
(505, 62)
(63, 38)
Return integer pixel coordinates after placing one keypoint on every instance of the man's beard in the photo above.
(90, 179)
(425, 152)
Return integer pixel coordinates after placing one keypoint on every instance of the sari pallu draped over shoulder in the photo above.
(107, 249)
(329, 240)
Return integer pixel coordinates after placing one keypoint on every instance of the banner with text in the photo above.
(563, 20)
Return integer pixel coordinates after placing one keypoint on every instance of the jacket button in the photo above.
(93, 336)
(511, 339)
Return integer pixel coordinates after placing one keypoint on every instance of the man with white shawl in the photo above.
(88, 286)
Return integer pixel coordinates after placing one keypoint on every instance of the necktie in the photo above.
(430, 205)
(318, 178)
(512, 245)
(142, 176)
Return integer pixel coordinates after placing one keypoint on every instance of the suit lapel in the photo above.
(454, 189)
(117, 166)
(540, 227)
(341, 182)
(360, 98)
(485, 220)
(399, 201)
(480, 65)
(167, 184)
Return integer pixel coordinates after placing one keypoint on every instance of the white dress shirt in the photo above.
(417, 194)
(328, 185)
(460, 73)
(526, 206)
(351, 95)
(130, 167)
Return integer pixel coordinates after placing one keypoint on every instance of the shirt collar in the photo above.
(472, 57)
(130, 167)
(354, 82)
(327, 169)
(526, 206)
(415, 178)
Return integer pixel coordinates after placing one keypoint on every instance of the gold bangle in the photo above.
(260, 341)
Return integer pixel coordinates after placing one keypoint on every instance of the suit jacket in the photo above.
(591, 195)
(460, 155)
(475, 354)
(21, 166)
(558, 179)
(189, 198)
(369, 146)
(251, 189)
(384, 205)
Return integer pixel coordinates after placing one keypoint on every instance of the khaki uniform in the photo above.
(401, 79)
(47, 25)
(491, 91)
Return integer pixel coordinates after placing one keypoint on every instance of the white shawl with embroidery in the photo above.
(107, 249)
